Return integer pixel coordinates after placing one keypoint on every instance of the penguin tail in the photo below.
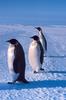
(22, 81)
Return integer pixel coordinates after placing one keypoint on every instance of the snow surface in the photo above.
(47, 85)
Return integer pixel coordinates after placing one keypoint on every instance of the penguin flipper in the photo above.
(45, 43)
(19, 61)
(42, 53)
(18, 66)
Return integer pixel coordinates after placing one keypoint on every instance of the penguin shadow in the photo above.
(57, 72)
(34, 85)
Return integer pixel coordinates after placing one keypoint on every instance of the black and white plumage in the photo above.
(16, 61)
(36, 53)
(42, 38)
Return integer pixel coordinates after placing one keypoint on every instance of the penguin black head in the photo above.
(13, 41)
(38, 28)
(35, 37)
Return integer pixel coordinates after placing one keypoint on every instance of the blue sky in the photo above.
(33, 12)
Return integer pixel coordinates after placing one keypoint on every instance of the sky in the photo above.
(33, 12)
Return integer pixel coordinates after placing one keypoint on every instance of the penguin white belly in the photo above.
(11, 58)
(34, 57)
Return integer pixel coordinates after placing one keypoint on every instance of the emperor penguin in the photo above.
(16, 61)
(35, 54)
(42, 38)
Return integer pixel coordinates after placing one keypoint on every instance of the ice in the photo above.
(47, 85)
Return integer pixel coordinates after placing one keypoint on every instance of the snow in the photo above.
(47, 85)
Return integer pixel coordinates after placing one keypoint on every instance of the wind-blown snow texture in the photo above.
(48, 85)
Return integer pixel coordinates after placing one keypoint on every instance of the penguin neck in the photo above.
(34, 43)
(11, 45)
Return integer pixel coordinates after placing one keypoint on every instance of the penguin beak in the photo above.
(7, 41)
(36, 28)
(31, 37)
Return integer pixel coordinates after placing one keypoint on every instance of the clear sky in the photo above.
(33, 12)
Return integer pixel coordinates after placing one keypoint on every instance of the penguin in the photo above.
(16, 61)
(35, 54)
(42, 38)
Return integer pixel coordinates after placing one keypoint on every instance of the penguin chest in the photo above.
(11, 57)
(34, 56)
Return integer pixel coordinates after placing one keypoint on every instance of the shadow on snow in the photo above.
(60, 72)
(34, 85)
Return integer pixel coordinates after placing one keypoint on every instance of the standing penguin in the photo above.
(16, 61)
(42, 38)
(35, 54)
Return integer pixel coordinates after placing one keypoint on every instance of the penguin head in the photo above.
(35, 37)
(12, 41)
(38, 28)
(40, 33)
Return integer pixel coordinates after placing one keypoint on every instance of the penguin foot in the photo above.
(41, 69)
(11, 82)
(35, 72)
